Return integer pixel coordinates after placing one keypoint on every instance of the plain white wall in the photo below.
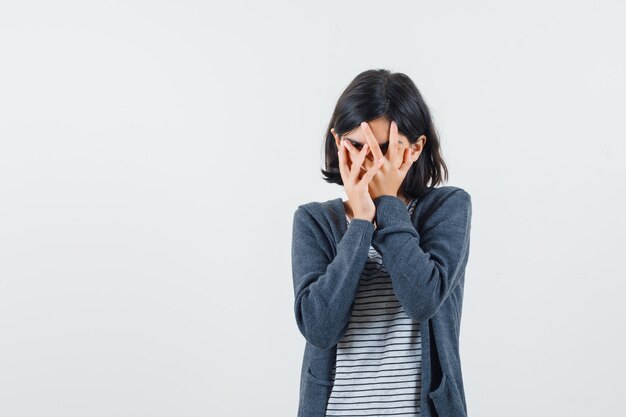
(153, 153)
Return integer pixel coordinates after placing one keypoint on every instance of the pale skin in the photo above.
(368, 173)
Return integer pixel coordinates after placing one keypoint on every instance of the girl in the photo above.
(378, 279)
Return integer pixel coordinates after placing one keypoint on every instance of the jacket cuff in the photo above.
(363, 226)
(390, 209)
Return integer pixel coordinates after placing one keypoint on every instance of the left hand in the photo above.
(396, 163)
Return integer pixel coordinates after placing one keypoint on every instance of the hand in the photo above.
(355, 184)
(395, 164)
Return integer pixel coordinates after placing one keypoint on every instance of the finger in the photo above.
(354, 152)
(369, 136)
(367, 164)
(369, 175)
(343, 164)
(393, 143)
(406, 161)
(357, 162)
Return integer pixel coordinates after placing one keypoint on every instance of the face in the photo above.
(380, 128)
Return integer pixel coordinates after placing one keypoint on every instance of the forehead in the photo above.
(379, 127)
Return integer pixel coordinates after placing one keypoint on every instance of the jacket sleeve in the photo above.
(426, 267)
(325, 288)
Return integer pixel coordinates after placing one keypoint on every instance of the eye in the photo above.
(356, 144)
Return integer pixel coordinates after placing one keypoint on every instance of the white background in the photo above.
(152, 155)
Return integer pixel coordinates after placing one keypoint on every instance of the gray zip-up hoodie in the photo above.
(425, 255)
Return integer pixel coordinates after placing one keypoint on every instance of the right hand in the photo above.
(355, 184)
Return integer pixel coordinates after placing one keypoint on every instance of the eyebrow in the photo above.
(354, 140)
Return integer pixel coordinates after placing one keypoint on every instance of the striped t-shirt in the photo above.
(378, 365)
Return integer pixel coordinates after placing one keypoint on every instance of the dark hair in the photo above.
(377, 93)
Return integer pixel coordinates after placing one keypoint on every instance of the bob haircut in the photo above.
(381, 93)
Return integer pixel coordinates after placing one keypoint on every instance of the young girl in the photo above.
(378, 278)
